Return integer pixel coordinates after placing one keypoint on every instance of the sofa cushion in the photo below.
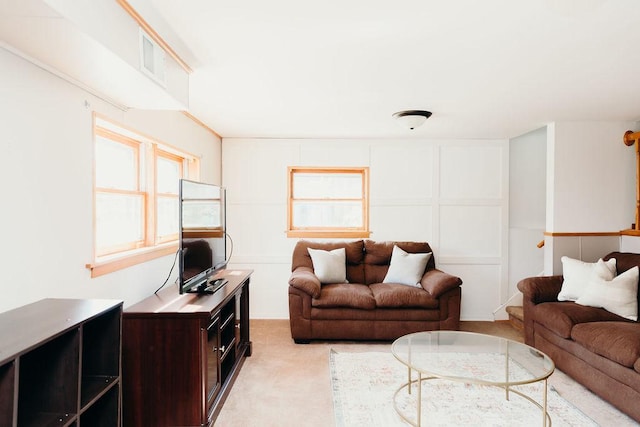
(353, 252)
(406, 268)
(393, 295)
(345, 295)
(617, 341)
(416, 314)
(377, 257)
(577, 274)
(329, 266)
(561, 317)
(618, 296)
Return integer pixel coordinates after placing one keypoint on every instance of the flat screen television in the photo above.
(202, 236)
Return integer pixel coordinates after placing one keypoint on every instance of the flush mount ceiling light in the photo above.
(412, 118)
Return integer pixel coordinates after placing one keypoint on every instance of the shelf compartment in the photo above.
(7, 386)
(228, 318)
(49, 419)
(228, 349)
(48, 382)
(93, 387)
(227, 335)
(104, 412)
(100, 344)
(100, 355)
(226, 364)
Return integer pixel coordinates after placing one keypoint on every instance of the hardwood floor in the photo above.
(287, 384)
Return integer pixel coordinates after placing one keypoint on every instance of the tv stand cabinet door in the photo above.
(164, 371)
(213, 361)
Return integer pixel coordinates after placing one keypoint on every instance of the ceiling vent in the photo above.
(152, 59)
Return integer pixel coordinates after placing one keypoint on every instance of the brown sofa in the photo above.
(365, 308)
(599, 349)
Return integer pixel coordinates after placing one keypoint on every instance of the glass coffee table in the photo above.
(470, 358)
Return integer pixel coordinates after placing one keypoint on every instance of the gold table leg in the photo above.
(544, 404)
(419, 399)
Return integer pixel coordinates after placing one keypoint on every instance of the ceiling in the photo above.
(341, 68)
(337, 68)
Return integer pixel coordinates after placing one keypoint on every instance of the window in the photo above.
(328, 202)
(135, 196)
(169, 169)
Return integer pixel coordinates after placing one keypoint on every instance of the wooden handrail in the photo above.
(630, 137)
(581, 233)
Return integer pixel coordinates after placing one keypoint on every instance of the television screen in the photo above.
(202, 237)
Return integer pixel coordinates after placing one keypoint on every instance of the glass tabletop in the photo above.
(472, 357)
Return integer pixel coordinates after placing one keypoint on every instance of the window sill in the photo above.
(139, 256)
(335, 234)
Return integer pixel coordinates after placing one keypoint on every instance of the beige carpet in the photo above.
(284, 384)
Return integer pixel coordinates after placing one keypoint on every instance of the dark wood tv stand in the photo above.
(182, 353)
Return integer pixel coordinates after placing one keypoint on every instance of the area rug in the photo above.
(364, 385)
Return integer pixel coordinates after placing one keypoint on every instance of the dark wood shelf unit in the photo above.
(181, 353)
(53, 353)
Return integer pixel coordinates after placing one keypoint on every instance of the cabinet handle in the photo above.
(221, 349)
(237, 325)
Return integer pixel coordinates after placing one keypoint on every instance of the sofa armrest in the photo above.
(540, 289)
(437, 282)
(536, 290)
(304, 279)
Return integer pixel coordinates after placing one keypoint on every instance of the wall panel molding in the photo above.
(468, 229)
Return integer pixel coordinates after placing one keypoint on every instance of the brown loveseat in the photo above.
(599, 349)
(365, 308)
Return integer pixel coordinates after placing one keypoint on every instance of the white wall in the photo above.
(453, 194)
(591, 185)
(46, 215)
(527, 194)
(630, 244)
(592, 182)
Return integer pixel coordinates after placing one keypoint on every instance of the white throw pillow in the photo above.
(406, 268)
(329, 266)
(578, 273)
(619, 296)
